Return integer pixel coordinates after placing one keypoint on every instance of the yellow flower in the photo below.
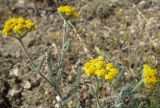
(98, 67)
(21, 20)
(112, 73)
(89, 69)
(20, 29)
(7, 31)
(93, 65)
(17, 27)
(68, 11)
(100, 73)
(30, 25)
(109, 77)
(87, 65)
(99, 63)
(109, 66)
(11, 22)
(149, 76)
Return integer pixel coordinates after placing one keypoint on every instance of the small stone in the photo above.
(58, 98)
(14, 92)
(57, 105)
(126, 73)
(27, 85)
(14, 72)
(70, 104)
(142, 44)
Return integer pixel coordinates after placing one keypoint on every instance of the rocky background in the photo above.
(100, 24)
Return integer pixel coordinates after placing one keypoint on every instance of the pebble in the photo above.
(14, 72)
(27, 85)
(14, 92)
(142, 44)
(57, 105)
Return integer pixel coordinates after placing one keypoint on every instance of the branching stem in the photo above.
(140, 82)
(96, 93)
(35, 68)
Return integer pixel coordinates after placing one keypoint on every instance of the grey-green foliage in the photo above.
(50, 70)
(56, 69)
(74, 87)
(155, 103)
(41, 63)
(66, 46)
(125, 92)
(59, 69)
(96, 93)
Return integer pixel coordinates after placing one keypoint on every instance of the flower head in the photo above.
(68, 12)
(112, 73)
(30, 25)
(101, 72)
(149, 76)
(11, 22)
(17, 27)
(8, 30)
(21, 20)
(98, 67)
(109, 66)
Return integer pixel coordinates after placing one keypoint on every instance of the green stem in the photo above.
(63, 40)
(96, 93)
(64, 32)
(34, 67)
(56, 89)
(61, 57)
(26, 53)
(140, 82)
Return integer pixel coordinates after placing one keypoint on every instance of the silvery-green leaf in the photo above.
(41, 63)
(66, 46)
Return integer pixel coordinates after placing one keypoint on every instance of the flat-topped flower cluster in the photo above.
(18, 26)
(98, 67)
(68, 12)
(150, 77)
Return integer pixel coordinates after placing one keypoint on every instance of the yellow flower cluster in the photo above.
(112, 72)
(149, 76)
(68, 11)
(98, 67)
(17, 26)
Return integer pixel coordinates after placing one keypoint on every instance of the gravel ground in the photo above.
(99, 26)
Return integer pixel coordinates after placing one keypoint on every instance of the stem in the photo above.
(96, 93)
(34, 67)
(60, 59)
(64, 32)
(56, 90)
(64, 36)
(99, 105)
(140, 82)
(26, 53)
(63, 39)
